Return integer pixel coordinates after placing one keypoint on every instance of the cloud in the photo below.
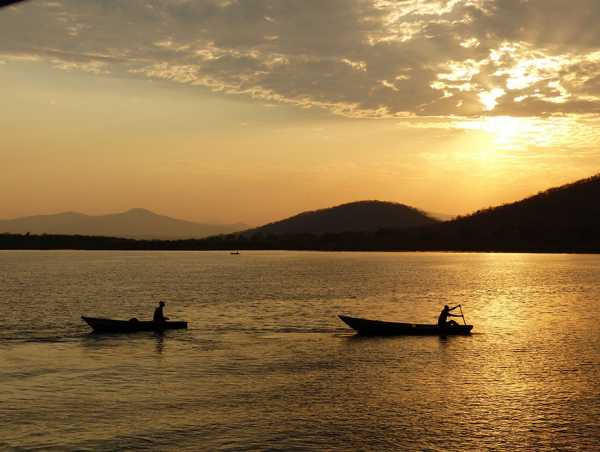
(359, 58)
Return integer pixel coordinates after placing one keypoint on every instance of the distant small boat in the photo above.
(381, 328)
(235, 253)
(127, 326)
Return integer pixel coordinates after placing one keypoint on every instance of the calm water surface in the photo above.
(266, 364)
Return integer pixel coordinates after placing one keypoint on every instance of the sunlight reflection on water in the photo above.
(267, 364)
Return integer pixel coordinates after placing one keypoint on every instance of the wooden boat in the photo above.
(129, 326)
(381, 328)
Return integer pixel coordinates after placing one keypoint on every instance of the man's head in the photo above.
(446, 307)
(162, 303)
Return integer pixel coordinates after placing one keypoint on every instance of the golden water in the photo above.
(266, 364)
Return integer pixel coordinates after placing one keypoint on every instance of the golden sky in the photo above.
(226, 111)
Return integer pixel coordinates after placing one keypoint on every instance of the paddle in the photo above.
(461, 313)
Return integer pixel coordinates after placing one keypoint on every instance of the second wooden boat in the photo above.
(381, 328)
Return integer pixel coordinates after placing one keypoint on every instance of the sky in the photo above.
(255, 110)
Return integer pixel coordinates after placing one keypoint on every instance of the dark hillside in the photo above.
(565, 218)
(360, 216)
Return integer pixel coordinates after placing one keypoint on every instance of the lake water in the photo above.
(267, 365)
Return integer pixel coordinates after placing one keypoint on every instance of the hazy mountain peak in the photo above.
(140, 212)
(134, 223)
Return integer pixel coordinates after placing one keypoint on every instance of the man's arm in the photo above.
(452, 309)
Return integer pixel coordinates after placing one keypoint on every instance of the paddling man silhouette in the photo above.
(159, 315)
(443, 318)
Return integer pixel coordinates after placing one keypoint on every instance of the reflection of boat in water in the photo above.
(381, 328)
(235, 253)
(128, 326)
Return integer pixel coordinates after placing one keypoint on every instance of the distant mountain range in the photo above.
(562, 219)
(360, 216)
(134, 223)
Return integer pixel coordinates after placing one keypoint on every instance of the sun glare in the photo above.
(510, 133)
(506, 129)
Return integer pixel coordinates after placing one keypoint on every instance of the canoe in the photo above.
(381, 328)
(129, 326)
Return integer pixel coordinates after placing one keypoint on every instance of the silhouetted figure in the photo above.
(159, 315)
(443, 318)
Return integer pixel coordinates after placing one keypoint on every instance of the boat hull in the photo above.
(380, 328)
(128, 326)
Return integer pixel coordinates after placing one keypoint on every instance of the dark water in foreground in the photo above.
(267, 365)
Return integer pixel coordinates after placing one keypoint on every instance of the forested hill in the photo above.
(360, 216)
(565, 218)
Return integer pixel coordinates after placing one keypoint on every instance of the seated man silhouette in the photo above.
(159, 315)
(443, 318)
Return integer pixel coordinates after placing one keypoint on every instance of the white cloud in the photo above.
(363, 58)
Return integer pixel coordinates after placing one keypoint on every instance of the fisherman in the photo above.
(159, 315)
(443, 318)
